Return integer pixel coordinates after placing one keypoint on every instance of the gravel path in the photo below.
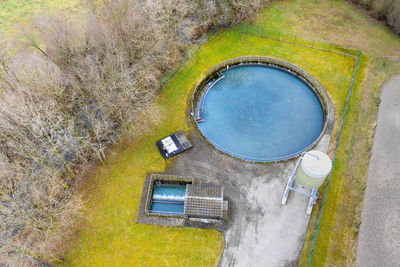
(261, 232)
(379, 237)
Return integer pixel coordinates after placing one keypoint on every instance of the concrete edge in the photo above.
(292, 69)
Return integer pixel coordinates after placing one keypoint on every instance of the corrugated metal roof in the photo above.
(203, 201)
(183, 140)
(204, 190)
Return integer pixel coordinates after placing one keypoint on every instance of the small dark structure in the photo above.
(205, 201)
(173, 145)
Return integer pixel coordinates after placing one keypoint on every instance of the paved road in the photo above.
(379, 237)
(261, 231)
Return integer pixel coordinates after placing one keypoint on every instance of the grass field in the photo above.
(108, 234)
(14, 12)
(337, 21)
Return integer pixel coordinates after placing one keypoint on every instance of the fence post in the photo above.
(313, 43)
(279, 36)
(294, 41)
(247, 28)
(330, 47)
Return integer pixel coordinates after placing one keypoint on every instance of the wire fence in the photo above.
(299, 41)
(189, 55)
(269, 34)
(296, 40)
(311, 254)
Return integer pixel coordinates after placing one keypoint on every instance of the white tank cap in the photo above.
(316, 164)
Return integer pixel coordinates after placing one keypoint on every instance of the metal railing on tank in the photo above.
(295, 39)
(254, 159)
(293, 69)
(286, 66)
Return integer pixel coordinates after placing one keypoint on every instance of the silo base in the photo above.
(290, 186)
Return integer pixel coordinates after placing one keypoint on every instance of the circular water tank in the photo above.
(314, 168)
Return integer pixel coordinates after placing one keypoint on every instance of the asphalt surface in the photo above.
(260, 232)
(379, 237)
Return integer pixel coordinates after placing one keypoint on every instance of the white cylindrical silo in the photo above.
(314, 168)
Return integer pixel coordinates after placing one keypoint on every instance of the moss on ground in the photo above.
(340, 22)
(110, 234)
(14, 12)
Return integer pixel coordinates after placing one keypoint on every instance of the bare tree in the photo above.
(78, 87)
(385, 10)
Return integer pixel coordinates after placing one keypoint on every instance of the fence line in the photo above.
(311, 254)
(296, 40)
(188, 57)
(261, 32)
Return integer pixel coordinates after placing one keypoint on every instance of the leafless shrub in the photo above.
(393, 16)
(80, 87)
(146, 121)
(385, 10)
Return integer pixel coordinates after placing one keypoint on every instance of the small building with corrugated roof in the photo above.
(179, 196)
(205, 201)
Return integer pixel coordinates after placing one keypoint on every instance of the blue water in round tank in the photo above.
(262, 114)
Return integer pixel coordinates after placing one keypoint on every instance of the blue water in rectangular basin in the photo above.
(167, 208)
(168, 199)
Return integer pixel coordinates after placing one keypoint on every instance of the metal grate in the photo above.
(204, 190)
(204, 201)
(183, 140)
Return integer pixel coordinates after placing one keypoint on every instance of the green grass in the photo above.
(339, 22)
(110, 235)
(14, 12)
(335, 247)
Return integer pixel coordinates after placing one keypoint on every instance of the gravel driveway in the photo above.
(261, 231)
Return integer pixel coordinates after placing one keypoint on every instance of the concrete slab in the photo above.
(261, 231)
(379, 237)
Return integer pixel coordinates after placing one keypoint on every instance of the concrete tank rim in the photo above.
(314, 85)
